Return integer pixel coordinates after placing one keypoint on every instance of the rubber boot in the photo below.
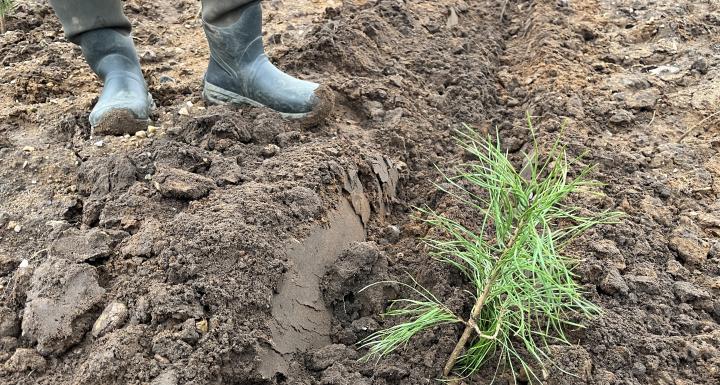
(124, 104)
(240, 73)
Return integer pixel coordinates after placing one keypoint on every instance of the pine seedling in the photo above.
(523, 287)
(5, 7)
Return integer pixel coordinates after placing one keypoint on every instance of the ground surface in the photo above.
(222, 248)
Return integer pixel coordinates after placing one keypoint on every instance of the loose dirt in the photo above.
(229, 246)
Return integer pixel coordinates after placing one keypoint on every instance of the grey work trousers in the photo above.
(79, 16)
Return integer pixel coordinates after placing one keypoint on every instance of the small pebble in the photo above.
(269, 150)
(141, 134)
(110, 319)
(151, 129)
(161, 359)
(24, 263)
(28, 149)
(99, 143)
(393, 233)
(202, 326)
(184, 111)
(700, 65)
(149, 56)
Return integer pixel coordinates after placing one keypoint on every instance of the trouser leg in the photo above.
(80, 16)
(220, 12)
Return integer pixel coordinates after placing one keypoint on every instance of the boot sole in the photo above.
(119, 122)
(216, 95)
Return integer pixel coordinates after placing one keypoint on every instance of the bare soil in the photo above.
(228, 246)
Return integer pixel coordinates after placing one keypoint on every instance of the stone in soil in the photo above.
(110, 319)
(168, 377)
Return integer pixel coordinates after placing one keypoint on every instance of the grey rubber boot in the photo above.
(240, 73)
(124, 104)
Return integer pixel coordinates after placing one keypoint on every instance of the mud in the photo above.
(227, 245)
(300, 320)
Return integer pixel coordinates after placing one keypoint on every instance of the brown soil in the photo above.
(229, 246)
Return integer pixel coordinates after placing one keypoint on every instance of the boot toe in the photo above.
(298, 98)
(122, 114)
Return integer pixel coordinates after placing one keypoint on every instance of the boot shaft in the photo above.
(109, 51)
(238, 38)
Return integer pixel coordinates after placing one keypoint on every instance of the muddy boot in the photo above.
(240, 73)
(124, 104)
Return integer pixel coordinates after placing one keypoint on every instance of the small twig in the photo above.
(502, 11)
(651, 119)
(690, 130)
(483, 335)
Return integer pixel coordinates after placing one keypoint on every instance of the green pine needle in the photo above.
(5, 7)
(423, 314)
(525, 290)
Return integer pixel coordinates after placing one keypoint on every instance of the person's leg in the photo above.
(80, 16)
(222, 12)
(239, 71)
(103, 33)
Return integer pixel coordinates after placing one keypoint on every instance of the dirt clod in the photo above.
(613, 283)
(181, 184)
(61, 296)
(687, 292)
(642, 100)
(9, 323)
(24, 360)
(328, 355)
(81, 246)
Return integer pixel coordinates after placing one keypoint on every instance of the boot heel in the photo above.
(213, 94)
(217, 95)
